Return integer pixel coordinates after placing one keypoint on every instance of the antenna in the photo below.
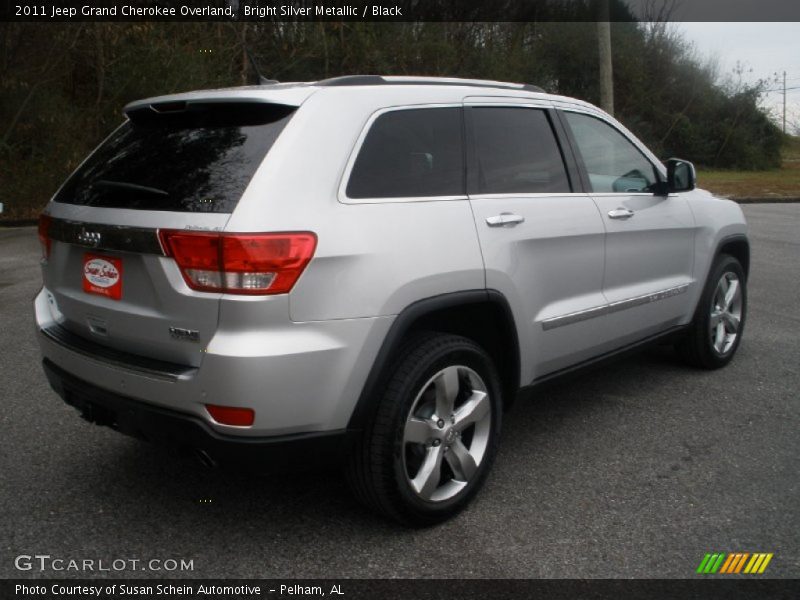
(261, 79)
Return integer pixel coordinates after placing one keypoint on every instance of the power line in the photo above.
(780, 89)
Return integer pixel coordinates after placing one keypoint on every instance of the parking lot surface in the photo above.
(634, 470)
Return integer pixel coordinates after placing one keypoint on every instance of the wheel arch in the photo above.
(737, 246)
(481, 315)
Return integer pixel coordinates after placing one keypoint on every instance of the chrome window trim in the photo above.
(612, 307)
(342, 196)
(523, 195)
(609, 194)
(472, 102)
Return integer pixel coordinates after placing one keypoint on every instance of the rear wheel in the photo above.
(431, 441)
(716, 330)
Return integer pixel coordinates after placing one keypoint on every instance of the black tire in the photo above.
(697, 347)
(379, 466)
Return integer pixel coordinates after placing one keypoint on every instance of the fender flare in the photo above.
(402, 325)
(736, 237)
(721, 243)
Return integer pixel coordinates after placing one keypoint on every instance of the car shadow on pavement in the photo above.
(142, 482)
(231, 497)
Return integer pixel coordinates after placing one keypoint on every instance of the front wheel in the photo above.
(430, 444)
(716, 331)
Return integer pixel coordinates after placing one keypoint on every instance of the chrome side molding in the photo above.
(605, 309)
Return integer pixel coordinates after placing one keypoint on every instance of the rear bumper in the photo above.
(297, 377)
(188, 432)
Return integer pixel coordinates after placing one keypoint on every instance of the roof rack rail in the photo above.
(352, 80)
(348, 80)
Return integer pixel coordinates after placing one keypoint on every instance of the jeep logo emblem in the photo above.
(89, 238)
(450, 436)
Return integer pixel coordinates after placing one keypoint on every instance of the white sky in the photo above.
(764, 49)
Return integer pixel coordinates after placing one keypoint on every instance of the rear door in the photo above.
(172, 166)
(541, 235)
(649, 238)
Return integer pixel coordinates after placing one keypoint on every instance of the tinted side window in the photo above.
(516, 152)
(411, 153)
(614, 164)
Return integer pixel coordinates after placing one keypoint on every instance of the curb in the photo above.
(776, 200)
(19, 223)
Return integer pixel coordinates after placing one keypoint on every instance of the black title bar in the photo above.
(406, 589)
(398, 10)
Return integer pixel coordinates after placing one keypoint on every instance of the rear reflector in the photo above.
(231, 415)
(240, 263)
(44, 234)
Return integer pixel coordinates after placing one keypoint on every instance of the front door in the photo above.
(649, 250)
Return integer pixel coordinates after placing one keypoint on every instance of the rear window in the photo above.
(411, 153)
(186, 158)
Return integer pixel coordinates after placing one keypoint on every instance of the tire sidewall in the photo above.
(724, 264)
(469, 355)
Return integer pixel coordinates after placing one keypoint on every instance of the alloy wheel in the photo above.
(726, 313)
(446, 434)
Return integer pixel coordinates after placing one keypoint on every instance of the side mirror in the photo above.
(681, 176)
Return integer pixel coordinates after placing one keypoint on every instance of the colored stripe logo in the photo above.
(733, 563)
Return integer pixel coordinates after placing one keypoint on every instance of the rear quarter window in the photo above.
(411, 153)
(190, 158)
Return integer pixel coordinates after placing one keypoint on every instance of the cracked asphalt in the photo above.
(634, 470)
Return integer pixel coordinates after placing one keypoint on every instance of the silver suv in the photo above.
(367, 269)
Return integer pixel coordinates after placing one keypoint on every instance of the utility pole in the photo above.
(604, 47)
(784, 103)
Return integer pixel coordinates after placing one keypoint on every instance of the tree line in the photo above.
(63, 86)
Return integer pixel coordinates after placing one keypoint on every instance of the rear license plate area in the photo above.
(102, 275)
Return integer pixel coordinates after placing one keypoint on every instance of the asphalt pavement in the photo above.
(634, 470)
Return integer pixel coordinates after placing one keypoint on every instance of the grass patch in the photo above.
(775, 183)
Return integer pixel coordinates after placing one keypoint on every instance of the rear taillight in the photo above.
(240, 263)
(44, 234)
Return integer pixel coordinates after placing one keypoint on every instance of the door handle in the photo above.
(504, 219)
(620, 213)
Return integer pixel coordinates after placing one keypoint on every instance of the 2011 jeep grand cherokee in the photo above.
(369, 268)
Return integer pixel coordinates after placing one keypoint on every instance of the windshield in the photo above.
(193, 158)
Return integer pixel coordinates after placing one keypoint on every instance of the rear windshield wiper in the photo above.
(132, 187)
